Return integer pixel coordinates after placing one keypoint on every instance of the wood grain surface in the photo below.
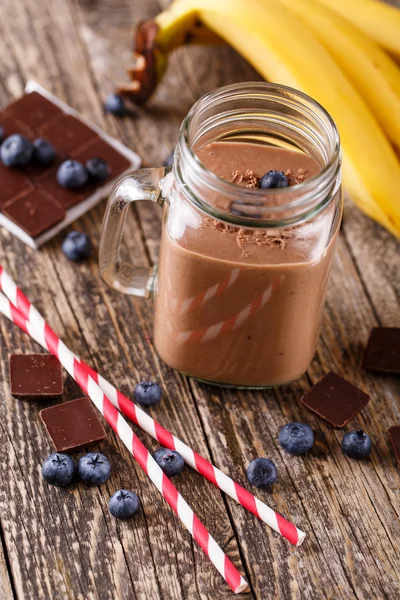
(63, 544)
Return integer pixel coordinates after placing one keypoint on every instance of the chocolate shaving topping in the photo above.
(251, 180)
(248, 177)
(247, 237)
(299, 177)
(237, 177)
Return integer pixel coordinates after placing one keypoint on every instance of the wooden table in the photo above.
(63, 544)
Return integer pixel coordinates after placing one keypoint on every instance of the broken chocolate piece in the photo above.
(34, 212)
(67, 134)
(33, 110)
(35, 376)
(73, 425)
(335, 399)
(394, 436)
(382, 354)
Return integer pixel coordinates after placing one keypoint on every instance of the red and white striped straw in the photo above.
(198, 301)
(89, 386)
(145, 422)
(205, 334)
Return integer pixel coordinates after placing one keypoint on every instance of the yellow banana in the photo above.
(288, 52)
(371, 169)
(375, 18)
(369, 68)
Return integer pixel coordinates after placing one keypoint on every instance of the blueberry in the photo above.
(147, 393)
(94, 468)
(98, 169)
(356, 444)
(296, 438)
(124, 504)
(43, 152)
(262, 472)
(72, 174)
(273, 179)
(77, 246)
(16, 151)
(115, 105)
(1, 134)
(170, 461)
(58, 469)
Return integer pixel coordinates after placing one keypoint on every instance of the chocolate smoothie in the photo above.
(242, 306)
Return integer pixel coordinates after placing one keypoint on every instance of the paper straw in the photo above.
(81, 375)
(206, 334)
(152, 427)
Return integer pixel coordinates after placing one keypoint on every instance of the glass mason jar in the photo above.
(242, 274)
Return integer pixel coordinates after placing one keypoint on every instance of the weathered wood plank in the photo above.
(339, 577)
(6, 589)
(81, 550)
(64, 544)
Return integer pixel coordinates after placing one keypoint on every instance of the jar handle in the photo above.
(144, 184)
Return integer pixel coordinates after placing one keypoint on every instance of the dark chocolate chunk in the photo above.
(394, 436)
(67, 134)
(73, 425)
(382, 354)
(11, 125)
(34, 110)
(34, 212)
(67, 197)
(98, 148)
(335, 399)
(35, 376)
(12, 184)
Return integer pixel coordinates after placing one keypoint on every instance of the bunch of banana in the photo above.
(329, 49)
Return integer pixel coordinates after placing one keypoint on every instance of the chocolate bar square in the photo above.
(73, 425)
(382, 354)
(34, 212)
(67, 134)
(12, 184)
(335, 399)
(34, 110)
(66, 197)
(11, 125)
(98, 148)
(35, 376)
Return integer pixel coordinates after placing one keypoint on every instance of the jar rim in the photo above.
(324, 183)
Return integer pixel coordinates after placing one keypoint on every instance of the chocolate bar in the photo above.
(12, 184)
(33, 205)
(34, 212)
(34, 110)
(67, 134)
(11, 125)
(73, 425)
(382, 354)
(98, 147)
(35, 376)
(335, 399)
